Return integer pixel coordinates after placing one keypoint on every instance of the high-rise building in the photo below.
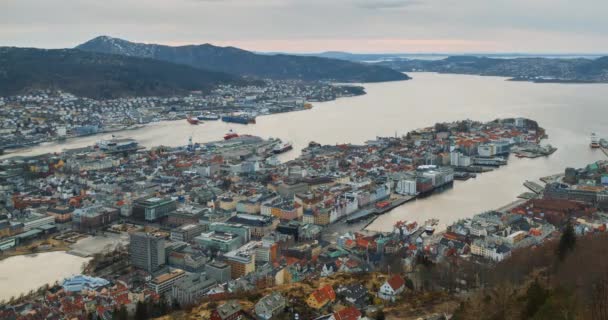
(147, 251)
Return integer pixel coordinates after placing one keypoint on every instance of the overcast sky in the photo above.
(557, 26)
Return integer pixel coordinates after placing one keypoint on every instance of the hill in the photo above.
(245, 63)
(526, 69)
(99, 75)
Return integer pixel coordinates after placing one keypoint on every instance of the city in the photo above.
(303, 160)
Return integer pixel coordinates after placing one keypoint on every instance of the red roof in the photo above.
(350, 313)
(324, 294)
(396, 282)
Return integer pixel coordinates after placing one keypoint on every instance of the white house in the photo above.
(392, 288)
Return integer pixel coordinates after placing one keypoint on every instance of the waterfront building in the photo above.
(81, 282)
(147, 251)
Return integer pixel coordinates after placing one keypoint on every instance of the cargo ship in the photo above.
(192, 120)
(282, 147)
(208, 116)
(595, 141)
(241, 119)
(230, 135)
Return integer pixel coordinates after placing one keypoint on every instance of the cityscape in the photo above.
(228, 170)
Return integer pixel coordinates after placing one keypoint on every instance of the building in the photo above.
(218, 240)
(241, 260)
(218, 271)
(270, 306)
(348, 313)
(321, 297)
(186, 233)
(81, 282)
(164, 282)
(240, 230)
(392, 288)
(153, 208)
(230, 310)
(91, 218)
(189, 289)
(147, 251)
(257, 224)
(62, 213)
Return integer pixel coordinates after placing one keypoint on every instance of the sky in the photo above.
(362, 26)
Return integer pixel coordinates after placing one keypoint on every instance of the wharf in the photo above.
(369, 212)
(552, 178)
(534, 187)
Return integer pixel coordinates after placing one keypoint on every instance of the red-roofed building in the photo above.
(321, 297)
(350, 313)
(392, 288)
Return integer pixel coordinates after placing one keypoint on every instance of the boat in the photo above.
(307, 106)
(282, 147)
(241, 119)
(208, 116)
(193, 120)
(230, 135)
(595, 141)
(429, 230)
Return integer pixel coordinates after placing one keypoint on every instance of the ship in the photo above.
(208, 116)
(230, 135)
(241, 119)
(282, 147)
(595, 141)
(117, 145)
(192, 120)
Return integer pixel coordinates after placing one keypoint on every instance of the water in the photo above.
(569, 112)
(20, 274)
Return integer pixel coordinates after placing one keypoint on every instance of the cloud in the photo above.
(386, 4)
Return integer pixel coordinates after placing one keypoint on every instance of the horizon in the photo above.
(424, 53)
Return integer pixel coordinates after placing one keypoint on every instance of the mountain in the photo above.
(245, 63)
(99, 75)
(525, 69)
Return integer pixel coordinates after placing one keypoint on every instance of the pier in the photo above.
(534, 187)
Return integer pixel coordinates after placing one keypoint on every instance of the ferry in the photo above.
(282, 147)
(595, 142)
(230, 135)
(208, 116)
(241, 119)
(192, 120)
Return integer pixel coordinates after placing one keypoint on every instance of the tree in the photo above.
(567, 242)
(535, 297)
(123, 314)
(141, 311)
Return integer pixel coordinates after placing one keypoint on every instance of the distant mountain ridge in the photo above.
(245, 63)
(100, 75)
(581, 70)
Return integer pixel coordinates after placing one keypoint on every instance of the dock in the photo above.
(372, 211)
(534, 187)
